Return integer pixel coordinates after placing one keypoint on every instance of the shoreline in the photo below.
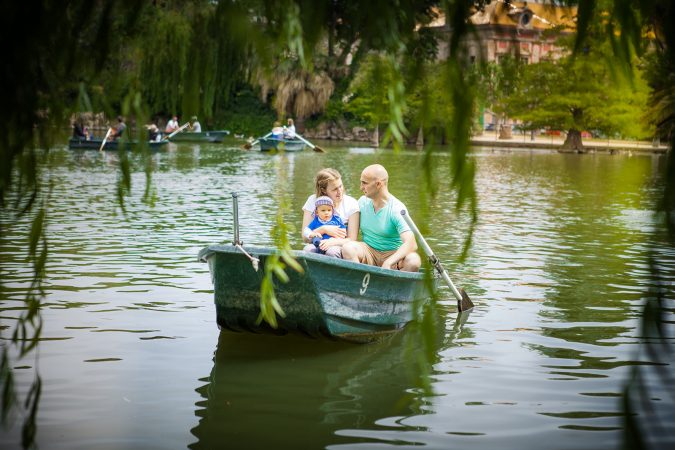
(554, 143)
(520, 142)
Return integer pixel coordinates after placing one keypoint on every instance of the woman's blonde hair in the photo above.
(323, 177)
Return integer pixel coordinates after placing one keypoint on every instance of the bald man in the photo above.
(387, 239)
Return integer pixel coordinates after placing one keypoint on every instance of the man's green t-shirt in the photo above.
(382, 230)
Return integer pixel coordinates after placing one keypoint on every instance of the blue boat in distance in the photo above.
(268, 144)
(95, 144)
(204, 136)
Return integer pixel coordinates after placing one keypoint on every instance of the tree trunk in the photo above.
(573, 143)
(420, 139)
(376, 136)
(505, 132)
(299, 123)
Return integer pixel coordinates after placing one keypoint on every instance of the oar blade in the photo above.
(465, 303)
(249, 145)
(316, 148)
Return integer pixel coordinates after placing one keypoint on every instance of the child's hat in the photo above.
(323, 200)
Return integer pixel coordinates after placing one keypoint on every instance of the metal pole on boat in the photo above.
(236, 242)
(464, 303)
(235, 205)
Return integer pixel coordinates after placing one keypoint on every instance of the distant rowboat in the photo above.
(204, 136)
(95, 144)
(289, 145)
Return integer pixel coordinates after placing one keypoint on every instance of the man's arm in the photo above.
(409, 245)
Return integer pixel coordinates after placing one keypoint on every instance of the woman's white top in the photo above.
(347, 207)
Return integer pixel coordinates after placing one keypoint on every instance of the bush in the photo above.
(246, 114)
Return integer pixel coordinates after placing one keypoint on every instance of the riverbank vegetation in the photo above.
(181, 65)
(240, 64)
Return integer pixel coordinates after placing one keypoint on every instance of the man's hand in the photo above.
(390, 263)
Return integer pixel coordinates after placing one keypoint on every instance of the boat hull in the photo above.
(95, 144)
(204, 136)
(332, 298)
(287, 145)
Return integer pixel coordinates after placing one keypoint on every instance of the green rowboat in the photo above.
(333, 298)
(95, 144)
(289, 145)
(204, 136)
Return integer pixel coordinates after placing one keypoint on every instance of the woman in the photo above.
(277, 131)
(196, 126)
(289, 131)
(329, 182)
(80, 131)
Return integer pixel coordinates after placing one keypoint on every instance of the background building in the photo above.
(527, 31)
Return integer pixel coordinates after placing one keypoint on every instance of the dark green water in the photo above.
(131, 356)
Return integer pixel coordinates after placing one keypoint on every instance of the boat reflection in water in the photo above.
(267, 391)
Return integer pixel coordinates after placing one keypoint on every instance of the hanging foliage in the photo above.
(163, 57)
(300, 93)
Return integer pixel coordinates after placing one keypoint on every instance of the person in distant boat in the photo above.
(196, 126)
(328, 182)
(153, 133)
(289, 130)
(277, 131)
(171, 125)
(387, 239)
(118, 130)
(324, 214)
(80, 131)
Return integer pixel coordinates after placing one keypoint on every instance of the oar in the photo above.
(182, 127)
(249, 145)
(316, 148)
(105, 139)
(464, 303)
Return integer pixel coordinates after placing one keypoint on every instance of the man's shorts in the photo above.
(374, 257)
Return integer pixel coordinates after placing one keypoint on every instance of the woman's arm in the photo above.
(306, 220)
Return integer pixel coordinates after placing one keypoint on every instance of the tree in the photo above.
(328, 42)
(496, 81)
(578, 93)
(52, 60)
(367, 98)
(298, 92)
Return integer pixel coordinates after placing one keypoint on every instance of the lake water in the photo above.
(131, 356)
